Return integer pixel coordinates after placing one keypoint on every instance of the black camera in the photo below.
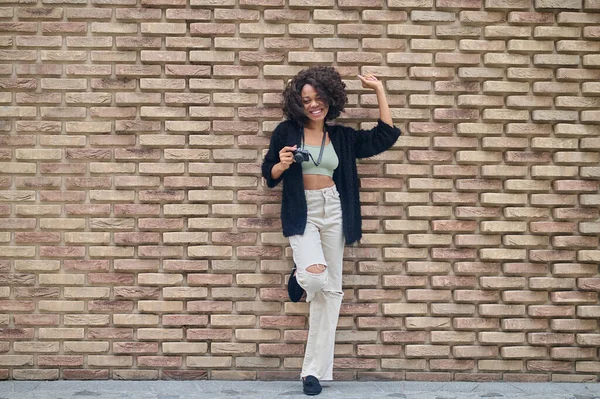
(301, 155)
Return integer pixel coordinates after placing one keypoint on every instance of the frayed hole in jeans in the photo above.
(316, 269)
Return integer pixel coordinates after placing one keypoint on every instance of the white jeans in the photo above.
(321, 244)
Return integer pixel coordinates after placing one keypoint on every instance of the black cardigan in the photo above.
(349, 144)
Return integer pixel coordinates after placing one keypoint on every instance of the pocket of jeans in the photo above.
(334, 193)
(333, 206)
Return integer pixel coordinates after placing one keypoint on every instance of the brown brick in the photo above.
(84, 374)
(474, 351)
(523, 352)
(550, 338)
(464, 323)
(550, 365)
(572, 353)
(403, 336)
(551, 311)
(573, 297)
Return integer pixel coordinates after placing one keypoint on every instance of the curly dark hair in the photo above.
(328, 84)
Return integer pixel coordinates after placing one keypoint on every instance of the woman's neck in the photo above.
(316, 126)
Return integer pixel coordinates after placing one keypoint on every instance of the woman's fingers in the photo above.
(285, 155)
(368, 80)
(288, 149)
(363, 81)
(368, 76)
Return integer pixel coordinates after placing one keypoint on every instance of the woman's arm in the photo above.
(370, 81)
(368, 143)
(278, 159)
(276, 171)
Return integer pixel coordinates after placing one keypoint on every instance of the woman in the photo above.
(320, 207)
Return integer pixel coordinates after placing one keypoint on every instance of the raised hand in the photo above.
(370, 81)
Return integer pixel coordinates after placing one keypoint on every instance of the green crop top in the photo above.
(328, 164)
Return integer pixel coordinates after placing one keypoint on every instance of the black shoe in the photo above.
(311, 385)
(294, 290)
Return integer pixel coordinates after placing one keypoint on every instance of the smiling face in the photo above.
(314, 108)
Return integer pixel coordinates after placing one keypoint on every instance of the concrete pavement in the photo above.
(212, 389)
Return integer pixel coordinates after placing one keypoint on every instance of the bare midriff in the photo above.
(317, 182)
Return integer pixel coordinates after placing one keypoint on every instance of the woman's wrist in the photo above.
(379, 89)
(280, 168)
(277, 171)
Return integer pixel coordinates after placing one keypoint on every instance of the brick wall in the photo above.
(137, 239)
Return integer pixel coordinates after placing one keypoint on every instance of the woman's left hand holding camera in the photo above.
(286, 158)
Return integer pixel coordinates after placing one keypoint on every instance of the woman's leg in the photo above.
(323, 243)
(325, 308)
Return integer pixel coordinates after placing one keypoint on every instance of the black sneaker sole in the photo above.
(312, 394)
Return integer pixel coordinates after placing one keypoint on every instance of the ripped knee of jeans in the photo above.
(313, 278)
(316, 269)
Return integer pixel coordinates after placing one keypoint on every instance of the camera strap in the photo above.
(322, 147)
